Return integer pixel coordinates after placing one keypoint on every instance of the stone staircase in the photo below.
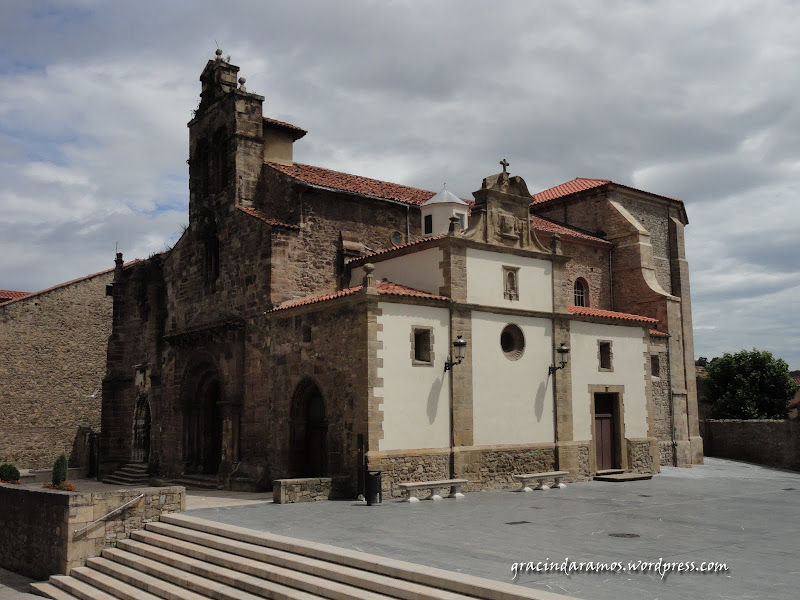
(130, 474)
(186, 558)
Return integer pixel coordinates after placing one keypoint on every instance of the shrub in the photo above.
(60, 469)
(9, 472)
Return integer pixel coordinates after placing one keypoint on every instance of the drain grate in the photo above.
(645, 496)
(537, 507)
(624, 535)
(517, 522)
(789, 489)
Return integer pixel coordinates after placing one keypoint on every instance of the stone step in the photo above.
(48, 590)
(620, 477)
(111, 586)
(136, 466)
(197, 482)
(609, 471)
(261, 580)
(175, 584)
(77, 588)
(460, 583)
(263, 562)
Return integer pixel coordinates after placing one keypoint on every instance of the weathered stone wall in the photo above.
(404, 466)
(38, 537)
(641, 455)
(491, 467)
(659, 386)
(775, 443)
(52, 362)
(589, 262)
(311, 489)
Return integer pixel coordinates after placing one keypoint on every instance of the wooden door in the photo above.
(604, 431)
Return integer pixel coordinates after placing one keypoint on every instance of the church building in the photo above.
(310, 323)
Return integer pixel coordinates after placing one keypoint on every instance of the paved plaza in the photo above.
(744, 515)
(740, 514)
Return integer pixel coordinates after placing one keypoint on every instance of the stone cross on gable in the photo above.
(505, 163)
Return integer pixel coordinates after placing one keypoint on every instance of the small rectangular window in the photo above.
(604, 352)
(461, 221)
(422, 352)
(428, 224)
(655, 365)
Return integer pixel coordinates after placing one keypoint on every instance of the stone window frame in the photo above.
(518, 340)
(600, 367)
(655, 366)
(580, 289)
(427, 220)
(415, 330)
(462, 219)
(508, 293)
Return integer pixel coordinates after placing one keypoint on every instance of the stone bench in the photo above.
(540, 477)
(433, 486)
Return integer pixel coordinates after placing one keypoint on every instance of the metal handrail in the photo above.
(119, 508)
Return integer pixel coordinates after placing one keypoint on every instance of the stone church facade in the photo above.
(302, 324)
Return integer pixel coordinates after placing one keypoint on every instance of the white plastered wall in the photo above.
(628, 362)
(485, 284)
(416, 399)
(512, 400)
(419, 270)
(441, 214)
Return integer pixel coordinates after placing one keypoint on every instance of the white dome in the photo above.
(445, 197)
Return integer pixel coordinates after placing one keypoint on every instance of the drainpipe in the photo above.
(408, 223)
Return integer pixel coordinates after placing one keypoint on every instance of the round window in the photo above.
(397, 238)
(512, 341)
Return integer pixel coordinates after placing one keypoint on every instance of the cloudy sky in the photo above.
(695, 100)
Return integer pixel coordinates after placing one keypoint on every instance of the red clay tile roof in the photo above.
(608, 314)
(6, 295)
(580, 184)
(552, 227)
(355, 184)
(297, 132)
(254, 212)
(793, 404)
(658, 333)
(362, 259)
(387, 288)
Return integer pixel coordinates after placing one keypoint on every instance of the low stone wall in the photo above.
(643, 455)
(38, 537)
(309, 489)
(775, 443)
(492, 467)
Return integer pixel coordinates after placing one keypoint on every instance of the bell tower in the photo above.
(225, 143)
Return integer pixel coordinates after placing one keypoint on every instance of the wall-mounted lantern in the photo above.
(459, 352)
(563, 351)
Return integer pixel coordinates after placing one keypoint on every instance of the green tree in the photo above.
(60, 468)
(749, 385)
(701, 362)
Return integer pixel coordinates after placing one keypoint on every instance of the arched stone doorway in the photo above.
(202, 421)
(309, 432)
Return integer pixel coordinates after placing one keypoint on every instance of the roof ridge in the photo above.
(610, 314)
(438, 236)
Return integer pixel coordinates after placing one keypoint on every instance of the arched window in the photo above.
(581, 293)
(220, 158)
(200, 168)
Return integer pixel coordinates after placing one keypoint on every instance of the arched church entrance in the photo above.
(202, 424)
(309, 432)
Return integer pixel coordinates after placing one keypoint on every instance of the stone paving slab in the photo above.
(744, 515)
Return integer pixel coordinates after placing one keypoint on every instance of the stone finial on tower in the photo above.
(368, 283)
(454, 226)
(118, 262)
(219, 54)
(242, 81)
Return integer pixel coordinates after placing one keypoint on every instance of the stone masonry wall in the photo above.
(38, 537)
(409, 465)
(312, 489)
(659, 385)
(775, 443)
(52, 362)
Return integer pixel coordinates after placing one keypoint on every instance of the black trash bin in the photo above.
(373, 487)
